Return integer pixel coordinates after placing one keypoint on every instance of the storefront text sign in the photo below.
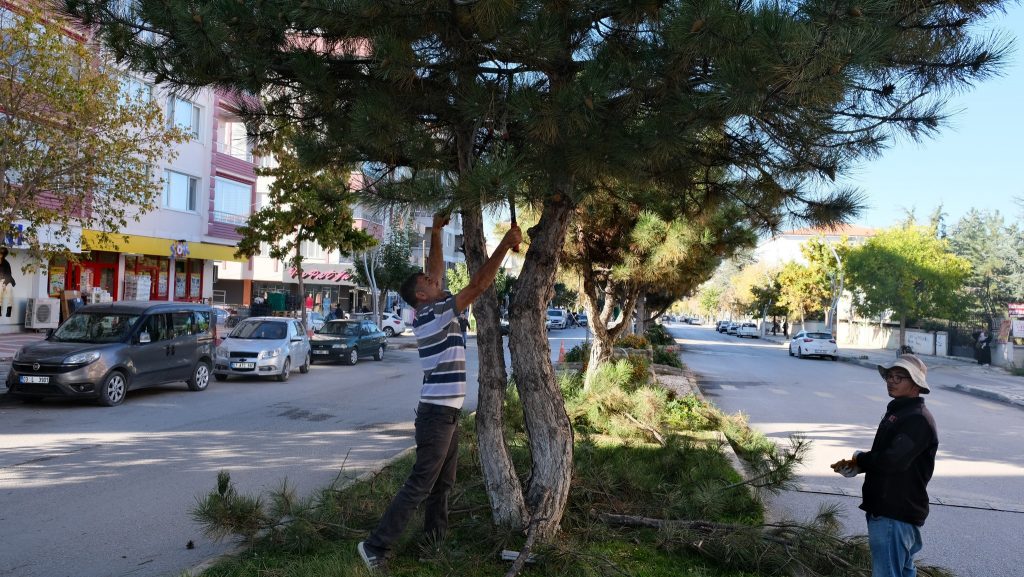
(315, 274)
(1016, 309)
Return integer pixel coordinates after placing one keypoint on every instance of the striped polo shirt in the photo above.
(442, 353)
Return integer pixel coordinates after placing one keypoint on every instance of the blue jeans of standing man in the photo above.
(893, 546)
(431, 479)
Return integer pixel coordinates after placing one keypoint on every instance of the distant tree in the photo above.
(709, 297)
(303, 205)
(390, 262)
(458, 277)
(910, 272)
(995, 250)
(813, 287)
(77, 144)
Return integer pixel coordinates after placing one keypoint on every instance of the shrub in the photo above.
(659, 335)
(632, 342)
(578, 354)
(639, 372)
(664, 357)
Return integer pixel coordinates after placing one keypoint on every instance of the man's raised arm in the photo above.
(435, 260)
(485, 276)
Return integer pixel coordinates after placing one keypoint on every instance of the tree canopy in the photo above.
(910, 272)
(78, 139)
(995, 249)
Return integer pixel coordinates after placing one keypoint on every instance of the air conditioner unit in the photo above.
(42, 314)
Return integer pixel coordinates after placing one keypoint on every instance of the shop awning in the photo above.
(138, 244)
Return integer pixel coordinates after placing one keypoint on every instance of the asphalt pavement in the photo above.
(958, 374)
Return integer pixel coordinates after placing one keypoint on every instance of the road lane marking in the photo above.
(727, 387)
(825, 395)
(779, 391)
(984, 504)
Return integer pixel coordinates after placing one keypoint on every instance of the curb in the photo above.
(985, 394)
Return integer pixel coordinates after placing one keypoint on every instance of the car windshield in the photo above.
(554, 313)
(264, 330)
(825, 336)
(95, 328)
(343, 329)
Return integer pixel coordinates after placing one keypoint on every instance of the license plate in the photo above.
(321, 352)
(34, 379)
(822, 351)
(243, 365)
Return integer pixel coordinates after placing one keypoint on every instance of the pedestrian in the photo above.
(897, 470)
(785, 328)
(982, 348)
(775, 327)
(441, 396)
(7, 283)
(464, 327)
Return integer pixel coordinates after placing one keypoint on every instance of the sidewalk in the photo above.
(958, 374)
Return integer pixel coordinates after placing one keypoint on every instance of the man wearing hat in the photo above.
(897, 470)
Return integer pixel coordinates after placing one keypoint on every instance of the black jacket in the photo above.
(900, 462)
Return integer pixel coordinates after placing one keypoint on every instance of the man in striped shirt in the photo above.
(442, 350)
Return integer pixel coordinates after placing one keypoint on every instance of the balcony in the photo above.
(235, 149)
(229, 218)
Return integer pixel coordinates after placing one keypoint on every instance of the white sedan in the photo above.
(812, 344)
(391, 324)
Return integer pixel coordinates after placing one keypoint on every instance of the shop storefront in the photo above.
(24, 279)
(326, 287)
(133, 267)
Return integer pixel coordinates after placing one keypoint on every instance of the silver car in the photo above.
(263, 346)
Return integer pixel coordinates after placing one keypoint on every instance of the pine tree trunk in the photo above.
(547, 425)
(641, 313)
(505, 492)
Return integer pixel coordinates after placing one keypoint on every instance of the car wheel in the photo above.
(114, 389)
(379, 355)
(835, 358)
(800, 353)
(220, 377)
(200, 377)
(286, 371)
(789, 350)
(305, 366)
(352, 358)
(389, 332)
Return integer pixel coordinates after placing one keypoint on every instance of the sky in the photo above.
(972, 163)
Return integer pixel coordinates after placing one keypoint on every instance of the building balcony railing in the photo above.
(230, 218)
(237, 150)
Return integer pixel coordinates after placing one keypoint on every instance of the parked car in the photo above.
(732, 328)
(315, 320)
(391, 324)
(503, 324)
(263, 346)
(748, 330)
(102, 351)
(722, 326)
(347, 340)
(238, 315)
(559, 319)
(812, 344)
(222, 314)
(582, 319)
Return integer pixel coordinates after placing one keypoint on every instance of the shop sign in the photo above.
(317, 274)
(1016, 309)
(47, 234)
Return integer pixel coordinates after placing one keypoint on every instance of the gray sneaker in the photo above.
(372, 561)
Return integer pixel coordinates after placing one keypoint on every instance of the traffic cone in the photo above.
(561, 351)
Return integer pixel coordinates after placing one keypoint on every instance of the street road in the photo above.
(87, 491)
(977, 514)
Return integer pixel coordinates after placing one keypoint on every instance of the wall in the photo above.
(14, 300)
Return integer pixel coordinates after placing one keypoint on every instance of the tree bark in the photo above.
(505, 492)
(547, 424)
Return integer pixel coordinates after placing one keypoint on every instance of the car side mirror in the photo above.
(296, 339)
(144, 338)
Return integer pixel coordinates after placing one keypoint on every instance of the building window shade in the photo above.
(231, 201)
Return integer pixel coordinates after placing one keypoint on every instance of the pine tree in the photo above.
(477, 99)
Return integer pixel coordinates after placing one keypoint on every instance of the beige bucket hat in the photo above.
(915, 366)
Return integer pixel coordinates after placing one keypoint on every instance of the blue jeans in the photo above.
(429, 483)
(893, 546)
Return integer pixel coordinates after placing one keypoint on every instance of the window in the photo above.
(231, 200)
(180, 191)
(311, 250)
(185, 115)
(134, 89)
(232, 139)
